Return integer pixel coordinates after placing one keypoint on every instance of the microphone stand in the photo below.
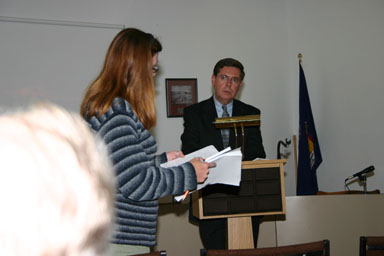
(363, 179)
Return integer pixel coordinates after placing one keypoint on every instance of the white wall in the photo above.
(342, 58)
(343, 61)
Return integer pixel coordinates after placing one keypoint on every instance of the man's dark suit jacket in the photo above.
(199, 132)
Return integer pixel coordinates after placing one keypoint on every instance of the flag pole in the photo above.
(295, 154)
(300, 56)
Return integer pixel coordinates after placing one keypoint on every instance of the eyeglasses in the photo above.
(225, 78)
(155, 69)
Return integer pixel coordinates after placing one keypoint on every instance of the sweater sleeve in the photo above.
(138, 175)
(159, 159)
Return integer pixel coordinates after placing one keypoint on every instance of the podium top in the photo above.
(262, 162)
(249, 120)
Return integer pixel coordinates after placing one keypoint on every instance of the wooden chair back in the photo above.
(319, 248)
(156, 253)
(371, 245)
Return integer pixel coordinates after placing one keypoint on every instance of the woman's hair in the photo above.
(127, 73)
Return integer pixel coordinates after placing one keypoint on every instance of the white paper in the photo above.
(202, 153)
(227, 170)
(218, 155)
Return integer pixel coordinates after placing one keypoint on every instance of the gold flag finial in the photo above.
(300, 56)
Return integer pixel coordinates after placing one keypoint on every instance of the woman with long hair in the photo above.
(120, 107)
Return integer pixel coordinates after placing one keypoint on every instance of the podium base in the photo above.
(240, 235)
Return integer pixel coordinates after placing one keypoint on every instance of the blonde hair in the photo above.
(127, 73)
(56, 185)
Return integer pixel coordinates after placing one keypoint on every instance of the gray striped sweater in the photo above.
(140, 180)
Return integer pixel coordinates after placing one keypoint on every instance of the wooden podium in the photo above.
(261, 192)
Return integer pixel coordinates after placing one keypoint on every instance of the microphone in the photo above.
(366, 170)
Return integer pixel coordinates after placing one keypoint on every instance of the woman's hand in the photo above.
(174, 154)
(201, 168)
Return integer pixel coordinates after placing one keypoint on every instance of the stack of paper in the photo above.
(227, 170)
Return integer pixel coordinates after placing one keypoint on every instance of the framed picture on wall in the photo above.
(181, 92)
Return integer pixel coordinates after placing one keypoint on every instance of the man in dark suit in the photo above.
(199, 131)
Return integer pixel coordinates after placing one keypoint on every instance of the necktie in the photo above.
(225, 132)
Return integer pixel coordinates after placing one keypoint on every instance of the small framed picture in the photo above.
(181, 92)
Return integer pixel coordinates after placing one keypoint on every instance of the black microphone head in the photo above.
(366, 170)
(370, 168)
(363, 172)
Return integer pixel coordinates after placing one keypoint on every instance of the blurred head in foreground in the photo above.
(56, 185)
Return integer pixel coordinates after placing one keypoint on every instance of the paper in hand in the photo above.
(227, 170)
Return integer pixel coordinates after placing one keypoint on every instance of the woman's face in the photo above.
(154, 63)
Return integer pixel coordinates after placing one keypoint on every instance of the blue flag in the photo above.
(309, 149)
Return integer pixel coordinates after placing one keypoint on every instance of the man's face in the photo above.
(226, 84)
